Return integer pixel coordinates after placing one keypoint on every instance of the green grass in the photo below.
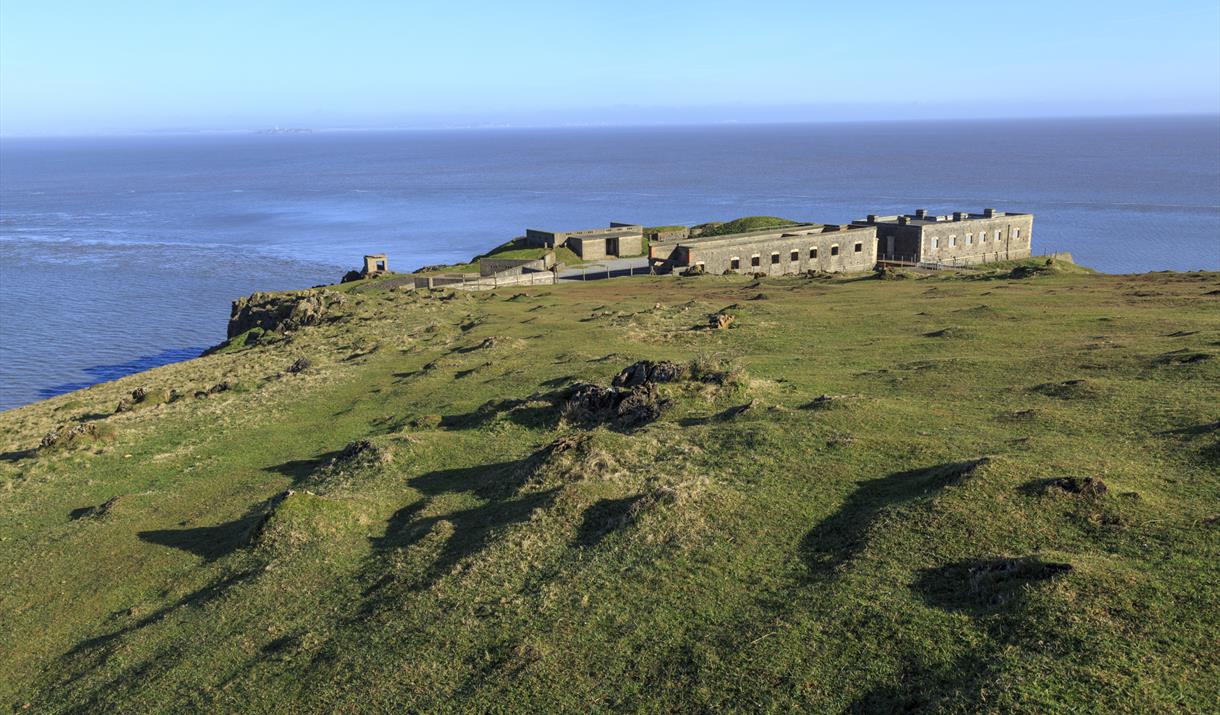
(747, 223)
(515, 248)
(750, 550)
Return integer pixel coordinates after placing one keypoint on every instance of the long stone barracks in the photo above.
(592, 244)
(829, 248)
(956, 239)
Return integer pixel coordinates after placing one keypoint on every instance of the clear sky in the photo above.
(86, 66)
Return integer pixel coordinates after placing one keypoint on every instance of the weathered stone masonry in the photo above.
(592, 244)
(959, 238)
(794, 249)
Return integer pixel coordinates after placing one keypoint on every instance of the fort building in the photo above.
(376, 263)
(829, 248)
(958, 238)
(592, 244)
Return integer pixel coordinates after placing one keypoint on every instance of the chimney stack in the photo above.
(904, 220)
(988, 213)
(872, 218)
(921, 213)
(959, 215)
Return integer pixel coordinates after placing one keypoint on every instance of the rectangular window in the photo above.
(982, 237)
(1016, 233)
(834, 249)
(774, 258)
(969, 239)
(859, 247)
(952, 241)
(735, 263)
(935, 243)
(997, 235)
(813, 253)
(796, 255)
(754, 260)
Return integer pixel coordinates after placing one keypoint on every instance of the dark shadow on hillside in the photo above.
(992, 592)
(558, 382)
(543, 415)
(915, 689)
(299, 469)
(456, 535)
(726, 415)
(91, 654)
(603, 517)
(207, 542)
(472, 530)
(839, 537)
(978, 587)
(1193, 430)
(17, 455)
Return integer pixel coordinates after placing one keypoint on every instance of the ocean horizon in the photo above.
(122, 253)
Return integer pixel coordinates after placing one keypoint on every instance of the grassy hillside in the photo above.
(515, 248)
(738, 225)
(945, 493)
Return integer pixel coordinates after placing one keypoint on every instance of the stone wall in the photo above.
(830, 250)
(515, 266)
(961, 239)
(590, 249)
(628, 245)
(1001, 238)
(676, 234)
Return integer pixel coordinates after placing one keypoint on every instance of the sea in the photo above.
(118, 254)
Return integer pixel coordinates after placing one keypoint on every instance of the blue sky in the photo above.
(77, 66)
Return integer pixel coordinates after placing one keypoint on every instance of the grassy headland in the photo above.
(994, 490)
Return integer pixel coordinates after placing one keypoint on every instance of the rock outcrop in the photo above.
(281, 312)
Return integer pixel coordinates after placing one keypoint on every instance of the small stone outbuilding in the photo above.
(592, 244)
(376, 263)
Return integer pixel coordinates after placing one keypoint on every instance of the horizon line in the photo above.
(303, 130)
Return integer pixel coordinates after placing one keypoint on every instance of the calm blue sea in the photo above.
(118, 254)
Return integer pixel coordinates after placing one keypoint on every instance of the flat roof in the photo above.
(599, 232)
(804, 229)
(929, 220)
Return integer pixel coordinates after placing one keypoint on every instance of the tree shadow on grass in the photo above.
(839, 537)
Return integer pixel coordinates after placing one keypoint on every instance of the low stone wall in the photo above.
(515, 266)
(469, 281)
(676, 234)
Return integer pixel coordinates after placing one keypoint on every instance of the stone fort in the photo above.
(917, 239)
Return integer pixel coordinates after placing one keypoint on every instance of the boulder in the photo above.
(640, 406)
(649, 371)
